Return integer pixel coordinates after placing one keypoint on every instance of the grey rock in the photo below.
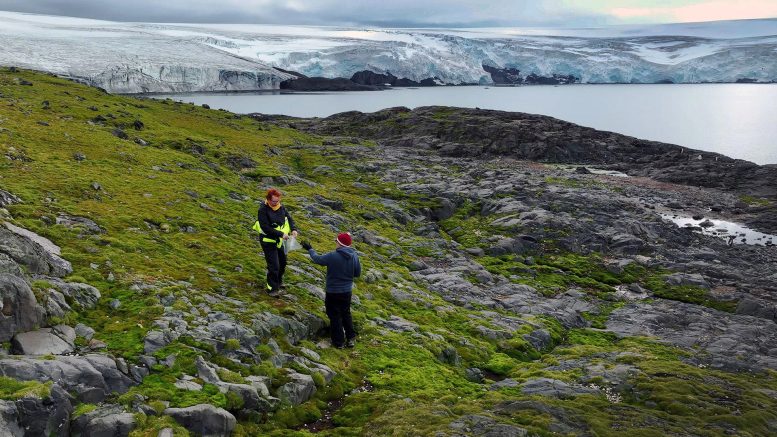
(693, 279)
(756, 307)
(204, 419)
(540, 339)
(449, 355)
(554, 388)
(7, 198)
(188, 385)
(40, 342)
(9, 266)
(56, 305)
(444, 210)
(301, 326)
(33, 416)
(84, 331)
(300, 389)
(19, 311)
(91, 377)
(474, 374)
(206, 371)
(397, 324)
(84, 223)
(83, 295)
(165, 432)
(505, 383)
(252, 399)
(483, 426)
(105, 421)
(731, 342)
(39, 255)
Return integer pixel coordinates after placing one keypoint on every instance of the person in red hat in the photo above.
(342, 265)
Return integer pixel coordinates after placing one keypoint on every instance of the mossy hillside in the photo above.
(145, 213)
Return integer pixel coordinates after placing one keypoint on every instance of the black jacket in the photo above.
(269, 219)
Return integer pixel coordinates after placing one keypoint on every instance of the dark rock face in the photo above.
(555, 79)
(504, 76)
(32, 416)
(512, 76)
(367, 77)
(324, 84)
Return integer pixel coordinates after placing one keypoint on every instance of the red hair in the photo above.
(272, 192)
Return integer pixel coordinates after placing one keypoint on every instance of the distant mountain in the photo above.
(143, 57)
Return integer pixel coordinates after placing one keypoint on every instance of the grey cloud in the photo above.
(398, 13)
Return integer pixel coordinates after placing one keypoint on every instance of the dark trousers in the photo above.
(338, 309)
(276, 265)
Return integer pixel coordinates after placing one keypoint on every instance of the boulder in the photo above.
(35, 416)
(41, 342)
(84, 223)
(91, 377)
(108, 421)
(38, 254)
(19, 311)
(204, 420)
(300, 389)
(79, 294)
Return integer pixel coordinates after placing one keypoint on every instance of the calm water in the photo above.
(737, 120)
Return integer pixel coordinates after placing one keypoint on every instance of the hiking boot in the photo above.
(274, 293)
(339, 346)
(350, 343)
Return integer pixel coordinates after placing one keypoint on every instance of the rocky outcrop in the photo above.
(37, 416)
(109, 420)
(204, 419)
(367, 77)
(512, 76)
(19, 311)
(91, 377)
(504, 76)
(39, 255)
(324, 84)
(490, 134)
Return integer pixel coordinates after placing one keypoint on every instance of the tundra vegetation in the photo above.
(174, 189)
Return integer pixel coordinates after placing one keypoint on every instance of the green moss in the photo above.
(82, 409)
(12, 389)
(232, 344)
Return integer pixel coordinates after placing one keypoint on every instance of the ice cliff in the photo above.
(142, 57)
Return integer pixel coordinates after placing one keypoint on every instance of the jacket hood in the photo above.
(346, 252)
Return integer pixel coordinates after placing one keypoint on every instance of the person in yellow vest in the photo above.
(276, 227)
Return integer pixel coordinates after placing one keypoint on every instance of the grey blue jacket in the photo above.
(342, 265)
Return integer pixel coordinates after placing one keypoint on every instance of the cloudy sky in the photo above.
(405, 13)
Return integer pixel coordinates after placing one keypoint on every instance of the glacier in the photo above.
(158, 57)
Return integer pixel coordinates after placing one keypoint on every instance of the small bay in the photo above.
(736, 120)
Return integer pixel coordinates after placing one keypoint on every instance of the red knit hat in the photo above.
(344, 238)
